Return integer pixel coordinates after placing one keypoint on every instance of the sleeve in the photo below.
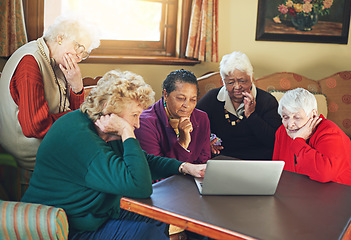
(76, 100)
(265, 125)
(205, 153)
(127, 174)
(276, 146)
(162, 167)
(150, 140)
(325, 161)
(27, 91)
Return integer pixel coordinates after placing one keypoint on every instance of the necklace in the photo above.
(62, 88)
(229, 120)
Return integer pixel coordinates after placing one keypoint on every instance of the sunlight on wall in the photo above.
(116, 19)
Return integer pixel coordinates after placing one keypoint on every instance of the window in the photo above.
(133, 31)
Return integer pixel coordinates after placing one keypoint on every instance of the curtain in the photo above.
(203, 31)
(12, 27)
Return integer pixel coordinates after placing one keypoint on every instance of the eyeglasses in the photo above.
(80, 50)
(241, 82)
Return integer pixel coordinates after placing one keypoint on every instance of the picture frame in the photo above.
(332, 26)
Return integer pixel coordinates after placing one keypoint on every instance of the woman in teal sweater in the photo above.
(90, 158)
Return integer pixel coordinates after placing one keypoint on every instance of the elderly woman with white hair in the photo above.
(244, 117)
(90, 159)
(310, 144)
(40, 82)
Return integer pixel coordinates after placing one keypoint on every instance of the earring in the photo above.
(59, 42)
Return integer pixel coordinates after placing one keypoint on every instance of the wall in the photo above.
(313, 60)
(237, 29)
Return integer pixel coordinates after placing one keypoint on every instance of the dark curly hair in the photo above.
(169, 84)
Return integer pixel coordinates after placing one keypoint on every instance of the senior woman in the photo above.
(310, 144)
(40, 82)
(244, 117)
(172, 127)
(87, 173)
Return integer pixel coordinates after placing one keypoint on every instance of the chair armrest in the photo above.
(21, 220)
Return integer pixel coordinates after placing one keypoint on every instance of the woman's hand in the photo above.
(196, 170)
(250, 103)
(72, 73)
(115, 125)
(307, 130)
(215, 149)
(185, 128)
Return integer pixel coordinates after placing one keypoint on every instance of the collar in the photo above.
(160, 111)
(223, 96)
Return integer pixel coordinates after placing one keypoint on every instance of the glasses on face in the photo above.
(80, 50)
(241, 82)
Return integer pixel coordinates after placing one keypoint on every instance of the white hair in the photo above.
(235, 60)
(73, 27)
(297, 99)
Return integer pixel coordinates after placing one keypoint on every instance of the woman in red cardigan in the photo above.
(310, 144)
(41, 82)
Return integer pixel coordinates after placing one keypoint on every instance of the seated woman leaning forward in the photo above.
(173, 127)
(86, 173)
(244, 117)
(310, 144)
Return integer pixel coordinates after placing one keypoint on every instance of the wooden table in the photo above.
(300, 209)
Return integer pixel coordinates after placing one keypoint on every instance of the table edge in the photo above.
(186, 223)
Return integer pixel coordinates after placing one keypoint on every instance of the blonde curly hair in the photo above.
(113, 91)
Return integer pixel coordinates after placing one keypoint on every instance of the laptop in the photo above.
(238, 177)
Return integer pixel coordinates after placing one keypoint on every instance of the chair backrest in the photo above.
(209, 81)
(89, 83)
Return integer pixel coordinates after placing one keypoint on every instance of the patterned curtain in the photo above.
(203, 31)
(12, 27)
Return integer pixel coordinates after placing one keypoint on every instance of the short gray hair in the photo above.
(75, 28)
(297, 99)
(235, 60)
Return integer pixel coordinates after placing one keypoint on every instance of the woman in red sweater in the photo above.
(40, 82)
(310, 144)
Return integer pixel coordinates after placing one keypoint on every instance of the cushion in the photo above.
(32, 221)
(338, 89)
(284, 81)
(321, 101)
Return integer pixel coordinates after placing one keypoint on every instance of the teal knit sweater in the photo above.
(78, 171)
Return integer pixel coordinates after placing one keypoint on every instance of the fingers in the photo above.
(213, 141)
(216, 149)
(70, 65)
(315, 122)
(308, 128)
(69, 62)
(248, 98)
(185, 124)
(196, 170)
(250, 104)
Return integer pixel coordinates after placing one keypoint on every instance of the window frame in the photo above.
(173, 52)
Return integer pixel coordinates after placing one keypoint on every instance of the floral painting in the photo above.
(303, 14)
(325, 21)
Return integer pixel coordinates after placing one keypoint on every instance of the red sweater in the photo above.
(325, 157)
(27, 91)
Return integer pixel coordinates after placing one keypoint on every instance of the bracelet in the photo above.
(181, 170)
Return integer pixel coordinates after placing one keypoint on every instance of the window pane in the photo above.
(135, 20)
